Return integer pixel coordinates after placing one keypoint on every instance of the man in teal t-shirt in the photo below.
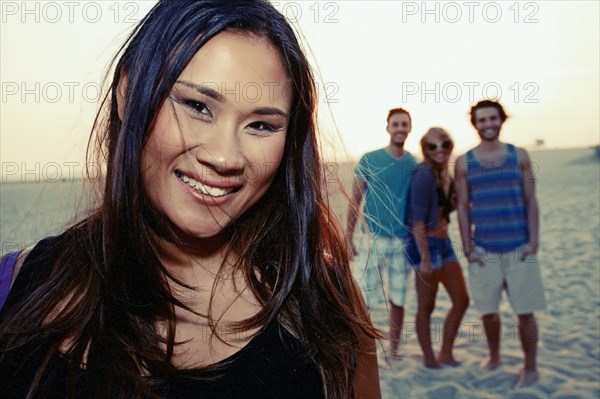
(382, 178)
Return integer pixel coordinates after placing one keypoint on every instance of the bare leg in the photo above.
(491, 326)
(426, 292)
(396, 321)
(454, 282)
(528, 333)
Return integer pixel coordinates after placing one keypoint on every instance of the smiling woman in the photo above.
(207, 186)
(213, 266)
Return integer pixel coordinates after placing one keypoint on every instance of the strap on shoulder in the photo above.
(7, 267)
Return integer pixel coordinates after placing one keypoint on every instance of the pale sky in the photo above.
(434, 58)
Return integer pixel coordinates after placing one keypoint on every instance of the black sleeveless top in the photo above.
(445, 201)
(271, 365)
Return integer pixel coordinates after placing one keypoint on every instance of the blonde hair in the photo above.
(444, 135)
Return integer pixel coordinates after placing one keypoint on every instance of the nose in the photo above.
(222, 150)
(488, 122)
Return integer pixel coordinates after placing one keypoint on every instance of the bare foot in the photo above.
(431, 364)
(449, 361)
(393, 355)
(490, 364)
(527, 378)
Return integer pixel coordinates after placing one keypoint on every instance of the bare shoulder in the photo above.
(522, 152)
(523, 155)
(459, 167)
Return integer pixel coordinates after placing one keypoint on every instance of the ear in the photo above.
(121, 92)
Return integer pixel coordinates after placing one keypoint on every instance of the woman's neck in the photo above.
(439, 170)
(195, 260)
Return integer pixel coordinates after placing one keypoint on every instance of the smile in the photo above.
(203, 188)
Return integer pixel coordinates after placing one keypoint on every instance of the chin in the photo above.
(493, 138)
(489, 138)
(201, 228)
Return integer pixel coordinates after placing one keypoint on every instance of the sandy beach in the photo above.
(568, 184)
(569, 349)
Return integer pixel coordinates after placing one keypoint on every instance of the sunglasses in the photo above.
(446, 145)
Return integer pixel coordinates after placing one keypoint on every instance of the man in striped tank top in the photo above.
(498, 218)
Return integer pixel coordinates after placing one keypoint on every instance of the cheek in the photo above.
(150, 173)
(266, 161)
(150, 161)
(155, 165)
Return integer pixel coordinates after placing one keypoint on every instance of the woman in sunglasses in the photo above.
(431, 199)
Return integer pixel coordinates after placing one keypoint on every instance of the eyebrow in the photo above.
(205, 90)
(212, 93)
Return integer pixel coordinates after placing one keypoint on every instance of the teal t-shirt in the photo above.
(388, 179)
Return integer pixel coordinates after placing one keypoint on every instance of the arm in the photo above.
(531, 204)
(462, 208)
(420, 202)
(420, 235)
(353, 211)
(366, 377)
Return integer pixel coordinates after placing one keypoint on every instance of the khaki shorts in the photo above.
(504, 270)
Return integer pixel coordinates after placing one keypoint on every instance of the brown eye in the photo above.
(262, 126)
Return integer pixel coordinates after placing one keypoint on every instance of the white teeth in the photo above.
(216, 192)
(200, 187)
(204, 189)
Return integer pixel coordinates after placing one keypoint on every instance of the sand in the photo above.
(569, 348)
(569, 329)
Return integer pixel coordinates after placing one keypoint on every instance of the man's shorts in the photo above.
(376, 257)
(504, 270)
(440, 252)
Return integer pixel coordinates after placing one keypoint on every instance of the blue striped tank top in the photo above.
(498, 209)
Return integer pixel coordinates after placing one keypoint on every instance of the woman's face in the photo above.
(219, 138)
(438, 148)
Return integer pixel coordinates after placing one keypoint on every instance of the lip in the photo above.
(204, 198)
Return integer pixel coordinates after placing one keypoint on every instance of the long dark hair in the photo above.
(108, 279)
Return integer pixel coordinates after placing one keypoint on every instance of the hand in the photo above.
(426, 270)
(529, 250)
(472, 256)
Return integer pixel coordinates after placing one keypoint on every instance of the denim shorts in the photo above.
(441, 252)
